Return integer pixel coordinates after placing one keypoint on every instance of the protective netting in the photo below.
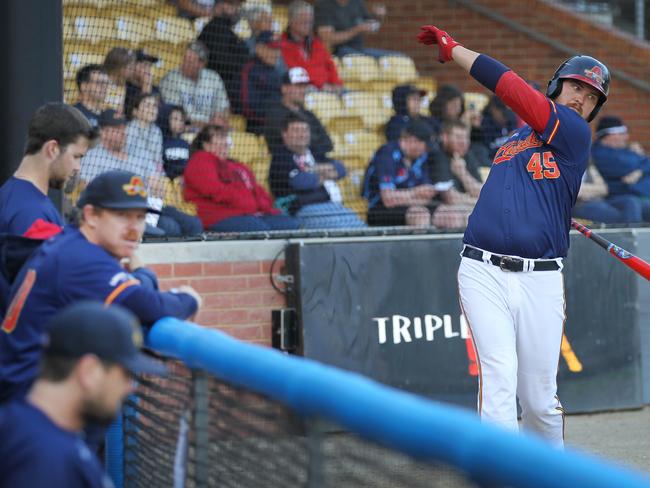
(191, 429)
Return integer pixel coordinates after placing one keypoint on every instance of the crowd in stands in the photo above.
(429, 158)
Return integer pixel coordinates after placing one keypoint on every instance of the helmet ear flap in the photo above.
(554, 88)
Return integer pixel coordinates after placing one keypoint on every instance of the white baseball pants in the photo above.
(516, 320)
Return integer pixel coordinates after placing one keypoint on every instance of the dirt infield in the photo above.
(622, 436)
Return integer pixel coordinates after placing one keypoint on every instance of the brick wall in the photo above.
(237, 296)
(531, 59)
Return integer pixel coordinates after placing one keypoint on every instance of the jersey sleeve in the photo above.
(385, 168)
(100, 277)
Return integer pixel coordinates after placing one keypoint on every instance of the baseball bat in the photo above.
(630, 260)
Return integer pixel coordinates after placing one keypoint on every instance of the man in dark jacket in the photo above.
(624, 165)
(294, 85)
(406, 103)
(227, 52)
(260, 82)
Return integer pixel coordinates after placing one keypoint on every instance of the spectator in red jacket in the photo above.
(225, 192)
(301, 48)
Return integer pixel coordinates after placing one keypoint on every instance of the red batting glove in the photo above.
(432, 35)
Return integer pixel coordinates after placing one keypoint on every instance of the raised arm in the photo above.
(531, 105)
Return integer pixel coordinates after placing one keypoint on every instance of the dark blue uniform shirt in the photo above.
(66, 269)
(36, 453)
(22, 204)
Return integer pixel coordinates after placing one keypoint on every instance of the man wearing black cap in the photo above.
(407, 101)
(90, 356)
(624, 165)
(140, 80)
(83, 263)
(399, 187)
(260, 82)
(294, 86)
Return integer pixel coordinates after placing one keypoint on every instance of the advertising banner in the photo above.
(389, 309)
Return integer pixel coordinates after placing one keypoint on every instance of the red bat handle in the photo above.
(636, 263)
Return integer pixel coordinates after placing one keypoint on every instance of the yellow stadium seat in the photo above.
(76, 60)
(368, 107)
(358, 68)
(360, 144)
(80, 10)
(427, 84)
(280, 18)
(70, 91)
(400, 69)
(174, 30)
(237, 122)
(325, 105)
(480, 100)
(93, 29)
(351, 192)
(174, 196)
(134, 30)
(245, 147)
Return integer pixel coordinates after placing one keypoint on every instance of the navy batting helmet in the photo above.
(586, 69)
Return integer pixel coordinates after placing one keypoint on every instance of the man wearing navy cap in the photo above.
(90, 356)
(83, 263)
(624, 165)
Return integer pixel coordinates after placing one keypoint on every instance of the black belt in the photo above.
(508, 263)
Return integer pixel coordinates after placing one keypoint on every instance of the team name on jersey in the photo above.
(510, 149)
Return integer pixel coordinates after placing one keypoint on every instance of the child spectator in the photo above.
(143, 137)
(176, 150)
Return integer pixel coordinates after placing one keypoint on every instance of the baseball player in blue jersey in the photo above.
(58, 137)
(84, 374)
(510, 282)
(83, 263)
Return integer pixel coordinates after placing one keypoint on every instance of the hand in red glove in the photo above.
(432, 35)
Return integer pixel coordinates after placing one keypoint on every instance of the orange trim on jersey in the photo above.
(111, 298)
(16, 307)
(557, 124)
(478, 356)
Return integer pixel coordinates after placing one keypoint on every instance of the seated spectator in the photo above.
(260, 19)
(459, 156)
(448, 104)
(307, 186)
(294, 86)
(301, 48)
(407, 101)
(119, 64)
(140, 79)
(143, 137)
(111, 154)
(342, 23)
(498, 123)
(85, 372)
(226, 195)
(227, 53)
(260, 85)
(92, 83)
(176, 150)
(400, 188)
(200, 91)
(191, 9)
(624, 165)
(594, 203)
